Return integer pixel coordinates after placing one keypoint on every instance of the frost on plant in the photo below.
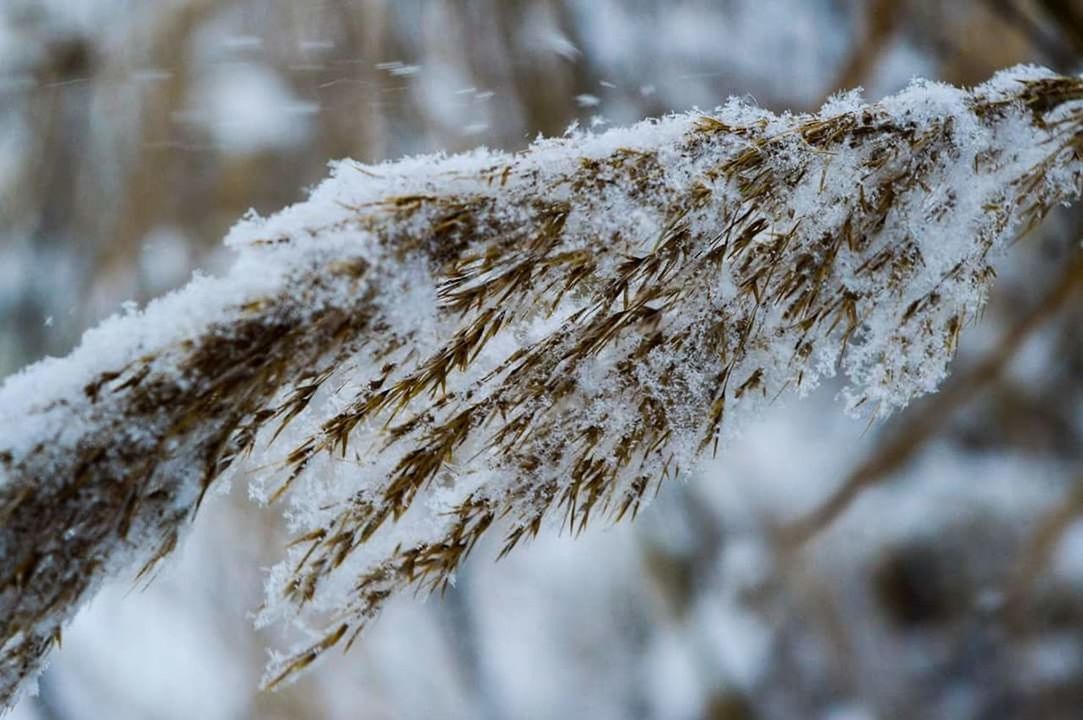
(434, 349)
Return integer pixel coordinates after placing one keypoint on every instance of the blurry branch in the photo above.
(919, 426)
(546, 86)
(1038, 552)
(1065, 56)
(45, 187)
(149, 178)
(882, 19)
(1068, 16)
(361, 132)
(425, 351)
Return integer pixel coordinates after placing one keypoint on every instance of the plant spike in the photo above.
(432, 351)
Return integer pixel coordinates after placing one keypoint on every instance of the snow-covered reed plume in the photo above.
(430, 350)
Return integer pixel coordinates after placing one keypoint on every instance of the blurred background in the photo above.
(942, 575)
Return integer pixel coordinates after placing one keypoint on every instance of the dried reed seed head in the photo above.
(684, 323)
(440, 346)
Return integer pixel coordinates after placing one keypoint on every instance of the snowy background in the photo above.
(133, 134)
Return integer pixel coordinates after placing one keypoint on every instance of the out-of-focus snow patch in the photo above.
(544, 34)
(784, 464)
(166, 260)
(475, 128)
(672, 678)
(380, 679)
(447, 106)
(555, 626)
(156, 652)
(559, 43)
(738, 638)
(787, 49)
(242, 42)
(25, 711)
(12, 49)
(248, 108)
(899, 64)
(166, 661)
(1054, 659)
(150, 75)
(941, 488)
(316, 46)
(849, 711)
(1068, 559)
(397, 68)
